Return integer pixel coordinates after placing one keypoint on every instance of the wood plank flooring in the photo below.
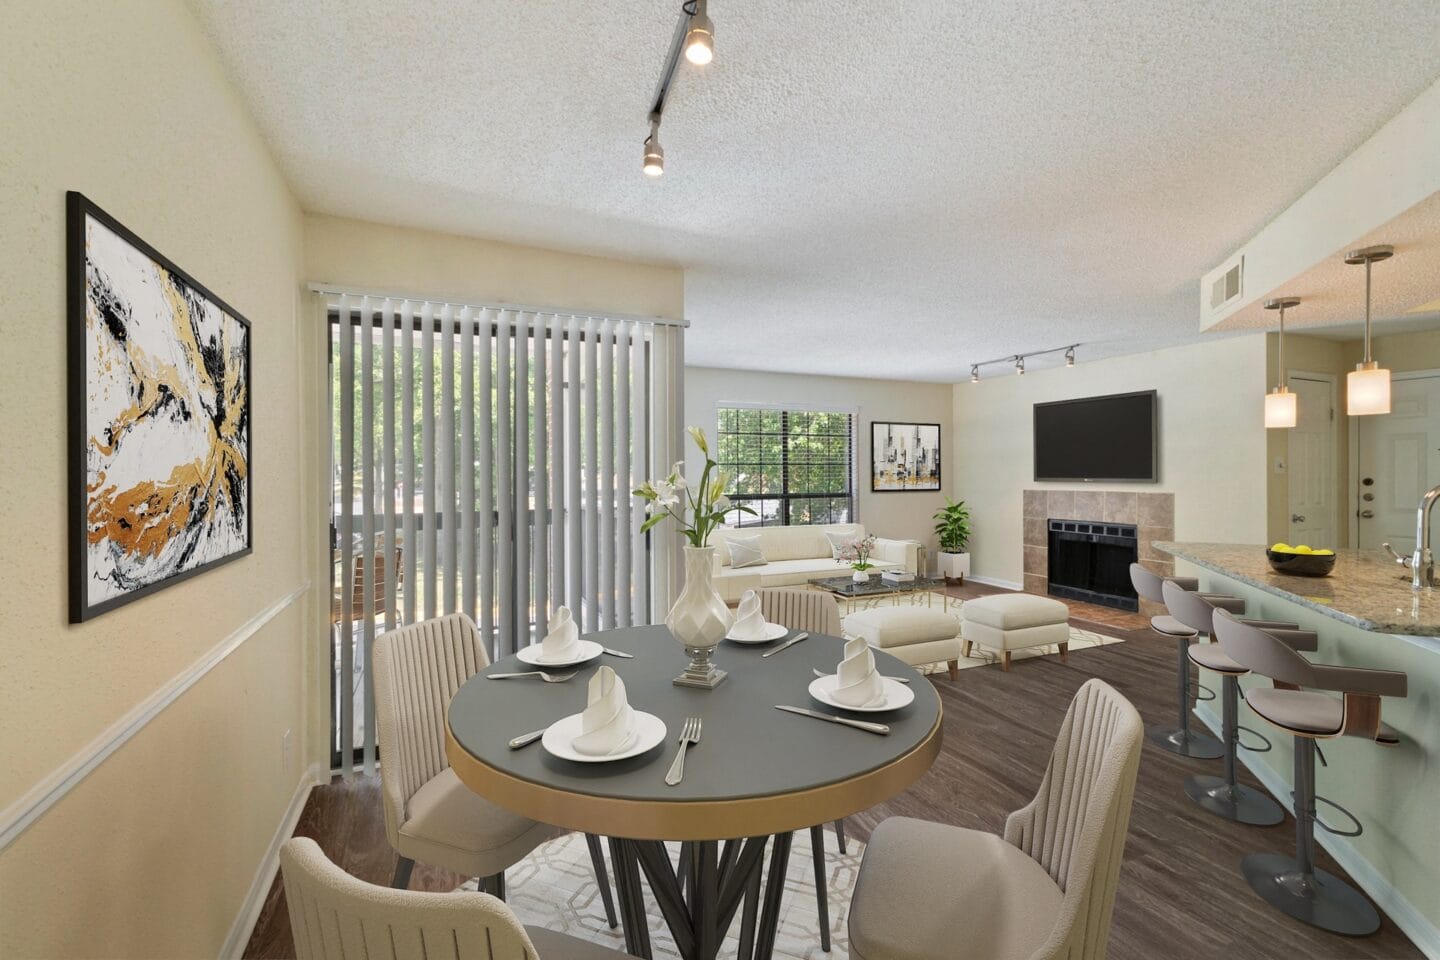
(1181, 895)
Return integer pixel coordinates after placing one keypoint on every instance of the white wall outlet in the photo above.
(287, 752)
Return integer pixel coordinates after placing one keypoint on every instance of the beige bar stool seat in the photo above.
(1298, 706)
(1226, 796)
(1045, 891)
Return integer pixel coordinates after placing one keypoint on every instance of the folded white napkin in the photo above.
(563, 640)
(608, 724)
(857, 683)
(749, 624)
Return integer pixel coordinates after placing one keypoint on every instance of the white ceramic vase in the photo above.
(861, 576)
(699, 619)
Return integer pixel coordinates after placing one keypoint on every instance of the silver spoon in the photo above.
(822, 674)
(547, 677)
(527, 738)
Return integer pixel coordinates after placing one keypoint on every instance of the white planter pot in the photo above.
(861, 576)
(953, 566)
(699, 619)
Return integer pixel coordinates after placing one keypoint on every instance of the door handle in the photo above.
(1297, 518)
(1367, 514)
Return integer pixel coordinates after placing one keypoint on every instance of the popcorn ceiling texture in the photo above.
(940, 182)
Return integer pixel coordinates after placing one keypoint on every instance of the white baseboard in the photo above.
(997, 582)
(1415, 925)
(249, 914)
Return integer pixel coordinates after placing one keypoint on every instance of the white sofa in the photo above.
(799, 554)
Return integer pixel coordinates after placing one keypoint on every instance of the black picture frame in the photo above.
(79, 209)
(875, 482)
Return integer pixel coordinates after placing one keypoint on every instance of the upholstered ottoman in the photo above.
(918, 635)
(1014, 621)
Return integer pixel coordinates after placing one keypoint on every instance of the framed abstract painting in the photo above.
(159, 424)
(904, 457)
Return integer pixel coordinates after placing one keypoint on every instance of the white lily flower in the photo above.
(722, 504)
(698, 436)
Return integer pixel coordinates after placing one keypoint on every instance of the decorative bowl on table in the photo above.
(1300, 561)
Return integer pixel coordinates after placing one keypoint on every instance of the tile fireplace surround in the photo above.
(1153, 515)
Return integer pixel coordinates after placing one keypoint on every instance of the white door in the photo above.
(1399, 459)
(1313, 493)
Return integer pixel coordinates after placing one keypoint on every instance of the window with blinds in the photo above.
(790, 466)
(483, 460)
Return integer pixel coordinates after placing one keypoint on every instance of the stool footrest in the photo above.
(1202, 692)
(1264, 739)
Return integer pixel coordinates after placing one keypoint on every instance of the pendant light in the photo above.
(1367, 387)
(1280, 403)
(700, 38)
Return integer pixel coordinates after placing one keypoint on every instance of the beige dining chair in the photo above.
(813, 611)
(1044, 891)
(334, 916)
(430, 815)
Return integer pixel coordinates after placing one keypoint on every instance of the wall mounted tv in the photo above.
(1111, 439)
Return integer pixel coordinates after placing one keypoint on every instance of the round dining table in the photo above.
(756, 775)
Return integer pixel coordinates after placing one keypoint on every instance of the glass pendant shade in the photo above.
(1280, 408)
(1367, 390)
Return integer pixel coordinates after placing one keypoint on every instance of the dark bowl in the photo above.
(1301, 564)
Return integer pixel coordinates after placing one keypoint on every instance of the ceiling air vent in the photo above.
(1226, 283)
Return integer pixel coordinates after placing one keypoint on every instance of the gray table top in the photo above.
(876, 586)
(748, 749)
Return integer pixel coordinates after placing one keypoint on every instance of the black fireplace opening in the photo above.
(1091, 561)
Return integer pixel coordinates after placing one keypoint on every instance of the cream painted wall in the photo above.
(152, 854)
(894, 515)
(426, 264)
(1212, 443)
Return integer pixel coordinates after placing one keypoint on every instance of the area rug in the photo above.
(555, 888)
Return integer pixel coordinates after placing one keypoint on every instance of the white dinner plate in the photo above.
(589, 650)
(897, 695)
(772, 631)
(649, 731)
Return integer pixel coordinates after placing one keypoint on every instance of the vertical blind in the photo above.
(483, 458)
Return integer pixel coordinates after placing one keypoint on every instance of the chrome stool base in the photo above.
(1187, 743)
(1234, 801)
(1319, 898)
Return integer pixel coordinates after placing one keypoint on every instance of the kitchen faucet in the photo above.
(1422, 562)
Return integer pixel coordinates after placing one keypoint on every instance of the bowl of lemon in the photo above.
(1301, 561)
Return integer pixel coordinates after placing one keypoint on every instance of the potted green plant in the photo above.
(952, 528)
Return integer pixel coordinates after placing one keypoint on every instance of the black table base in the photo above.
(700, 896)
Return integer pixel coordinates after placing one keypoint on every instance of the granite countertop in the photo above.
(1367, 588)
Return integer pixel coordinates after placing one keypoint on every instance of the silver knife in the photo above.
(618, 653)
(785, 646)
(527, 738)
(865, 725)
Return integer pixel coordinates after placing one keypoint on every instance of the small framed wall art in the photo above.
(904, 457)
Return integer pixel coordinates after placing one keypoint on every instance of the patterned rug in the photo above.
(555, 888)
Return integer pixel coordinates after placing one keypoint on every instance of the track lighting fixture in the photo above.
(1019, 360)
(700, 38)
(1280, 403)
(1367, 387)
(654, 153)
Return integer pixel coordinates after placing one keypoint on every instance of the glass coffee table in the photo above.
(855, 595)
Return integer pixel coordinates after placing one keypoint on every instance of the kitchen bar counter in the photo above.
(1367, 589)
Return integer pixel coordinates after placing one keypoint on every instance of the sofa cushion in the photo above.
(1014, 611)
(787, 543)
(886, 627)
(746, 552)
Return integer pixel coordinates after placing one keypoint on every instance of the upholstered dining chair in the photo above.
(1044, 891)
(813, 611)
(430, 815)
(334, 916)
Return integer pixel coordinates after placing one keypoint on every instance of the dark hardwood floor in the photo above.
(1181, 894)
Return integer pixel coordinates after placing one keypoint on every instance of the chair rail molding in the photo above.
(33, 804)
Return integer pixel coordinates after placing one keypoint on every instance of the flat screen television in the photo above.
(1110, 439)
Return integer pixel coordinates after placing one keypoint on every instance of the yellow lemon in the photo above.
(1324, 553)
(1303, 549)
(1282, 548)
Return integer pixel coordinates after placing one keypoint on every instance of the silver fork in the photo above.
(547, 677)
(689, 733)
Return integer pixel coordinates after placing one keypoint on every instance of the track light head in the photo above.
(975, 373)
(654, 153)
(1069, 356)
(700, 38)
(1019, 364)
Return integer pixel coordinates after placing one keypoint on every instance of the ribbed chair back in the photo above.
(1075, 827)
(334, 916)
(813, 611)
(418, 668)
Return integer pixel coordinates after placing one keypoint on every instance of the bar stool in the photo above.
(1226, 796)
(1294, 884)
(1181, 739)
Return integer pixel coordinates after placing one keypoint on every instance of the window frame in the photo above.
(852, 466)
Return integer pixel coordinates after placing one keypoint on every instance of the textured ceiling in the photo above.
(872, 189)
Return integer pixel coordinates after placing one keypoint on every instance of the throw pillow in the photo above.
(838, 542)
(745, 552)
